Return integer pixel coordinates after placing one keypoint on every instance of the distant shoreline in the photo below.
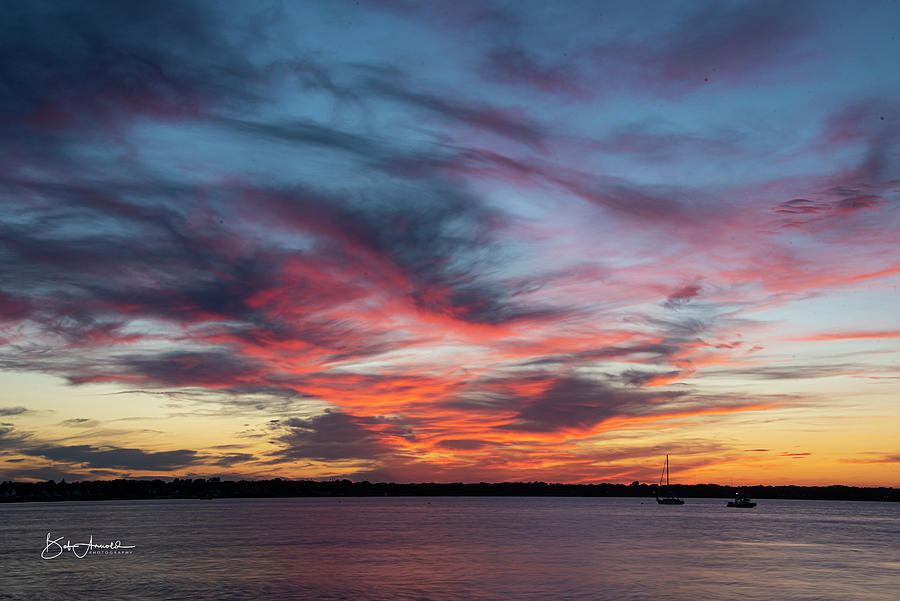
(214, 488)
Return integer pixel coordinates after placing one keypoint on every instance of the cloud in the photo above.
(873, 458)
(80, 422)
(209, 369)
(432, 238)
(850, 335)
(10, 438)
(871, 123)
(98, 62)
(736, 44)
(678, 51)
(13, 308)
(572, 403)
(336, 435)
(636, 377)
(98, 459)
(732, 42)
(515, 65)
(231, 459)
(102, 457)
(307, 133)
(847, 201)
(793, 371)
(682, 295)
(463, 444)
(13, 410)
(20, 472)
(513, 124)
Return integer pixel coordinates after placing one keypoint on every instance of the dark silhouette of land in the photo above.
(213, 488)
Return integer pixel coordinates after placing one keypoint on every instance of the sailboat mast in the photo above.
(667, 471)
(668, 498)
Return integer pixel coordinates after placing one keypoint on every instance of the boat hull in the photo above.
(670, 501)
(741, 505)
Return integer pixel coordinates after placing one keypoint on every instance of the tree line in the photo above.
(211, 488)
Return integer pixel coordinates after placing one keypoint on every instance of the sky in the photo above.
(450, 241)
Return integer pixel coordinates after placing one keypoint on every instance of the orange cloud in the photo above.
(849, 335)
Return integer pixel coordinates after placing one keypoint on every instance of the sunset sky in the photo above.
(451, 241)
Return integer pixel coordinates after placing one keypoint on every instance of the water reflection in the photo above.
(456, 548)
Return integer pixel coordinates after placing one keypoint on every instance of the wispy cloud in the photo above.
(829, 336)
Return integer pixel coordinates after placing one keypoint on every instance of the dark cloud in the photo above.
(252, 398)
(869, 186)
(509, 123)
(713, 43)
(465, 444)
(687, 329)
(436, 237)
(795, 371)
(801, 206)
(212, 369)
(641, 353)
(13, 410)
(177, 272)
(79, 422)
(168, 271)
(89, 253)
(550, 402)
(661, 206)
(114, 457)
(308, 133)
(577, 403)
(337, 435)
(13, 308)
(700, 46)
(517, 66)
(10, 438)
(230, 459)
(481, 18)
(682, 295)
(731, 42)
(636, 377)
(93, 255)
(653, 352)
(99, 459)
(20, 472)
(652, 205)
(89, 63)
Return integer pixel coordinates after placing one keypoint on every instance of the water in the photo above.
(456, 548)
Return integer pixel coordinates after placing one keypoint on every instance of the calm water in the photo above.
(456, 549)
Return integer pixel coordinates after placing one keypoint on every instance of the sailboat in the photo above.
(667, 500)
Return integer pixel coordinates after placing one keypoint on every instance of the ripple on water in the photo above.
(449, 549)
